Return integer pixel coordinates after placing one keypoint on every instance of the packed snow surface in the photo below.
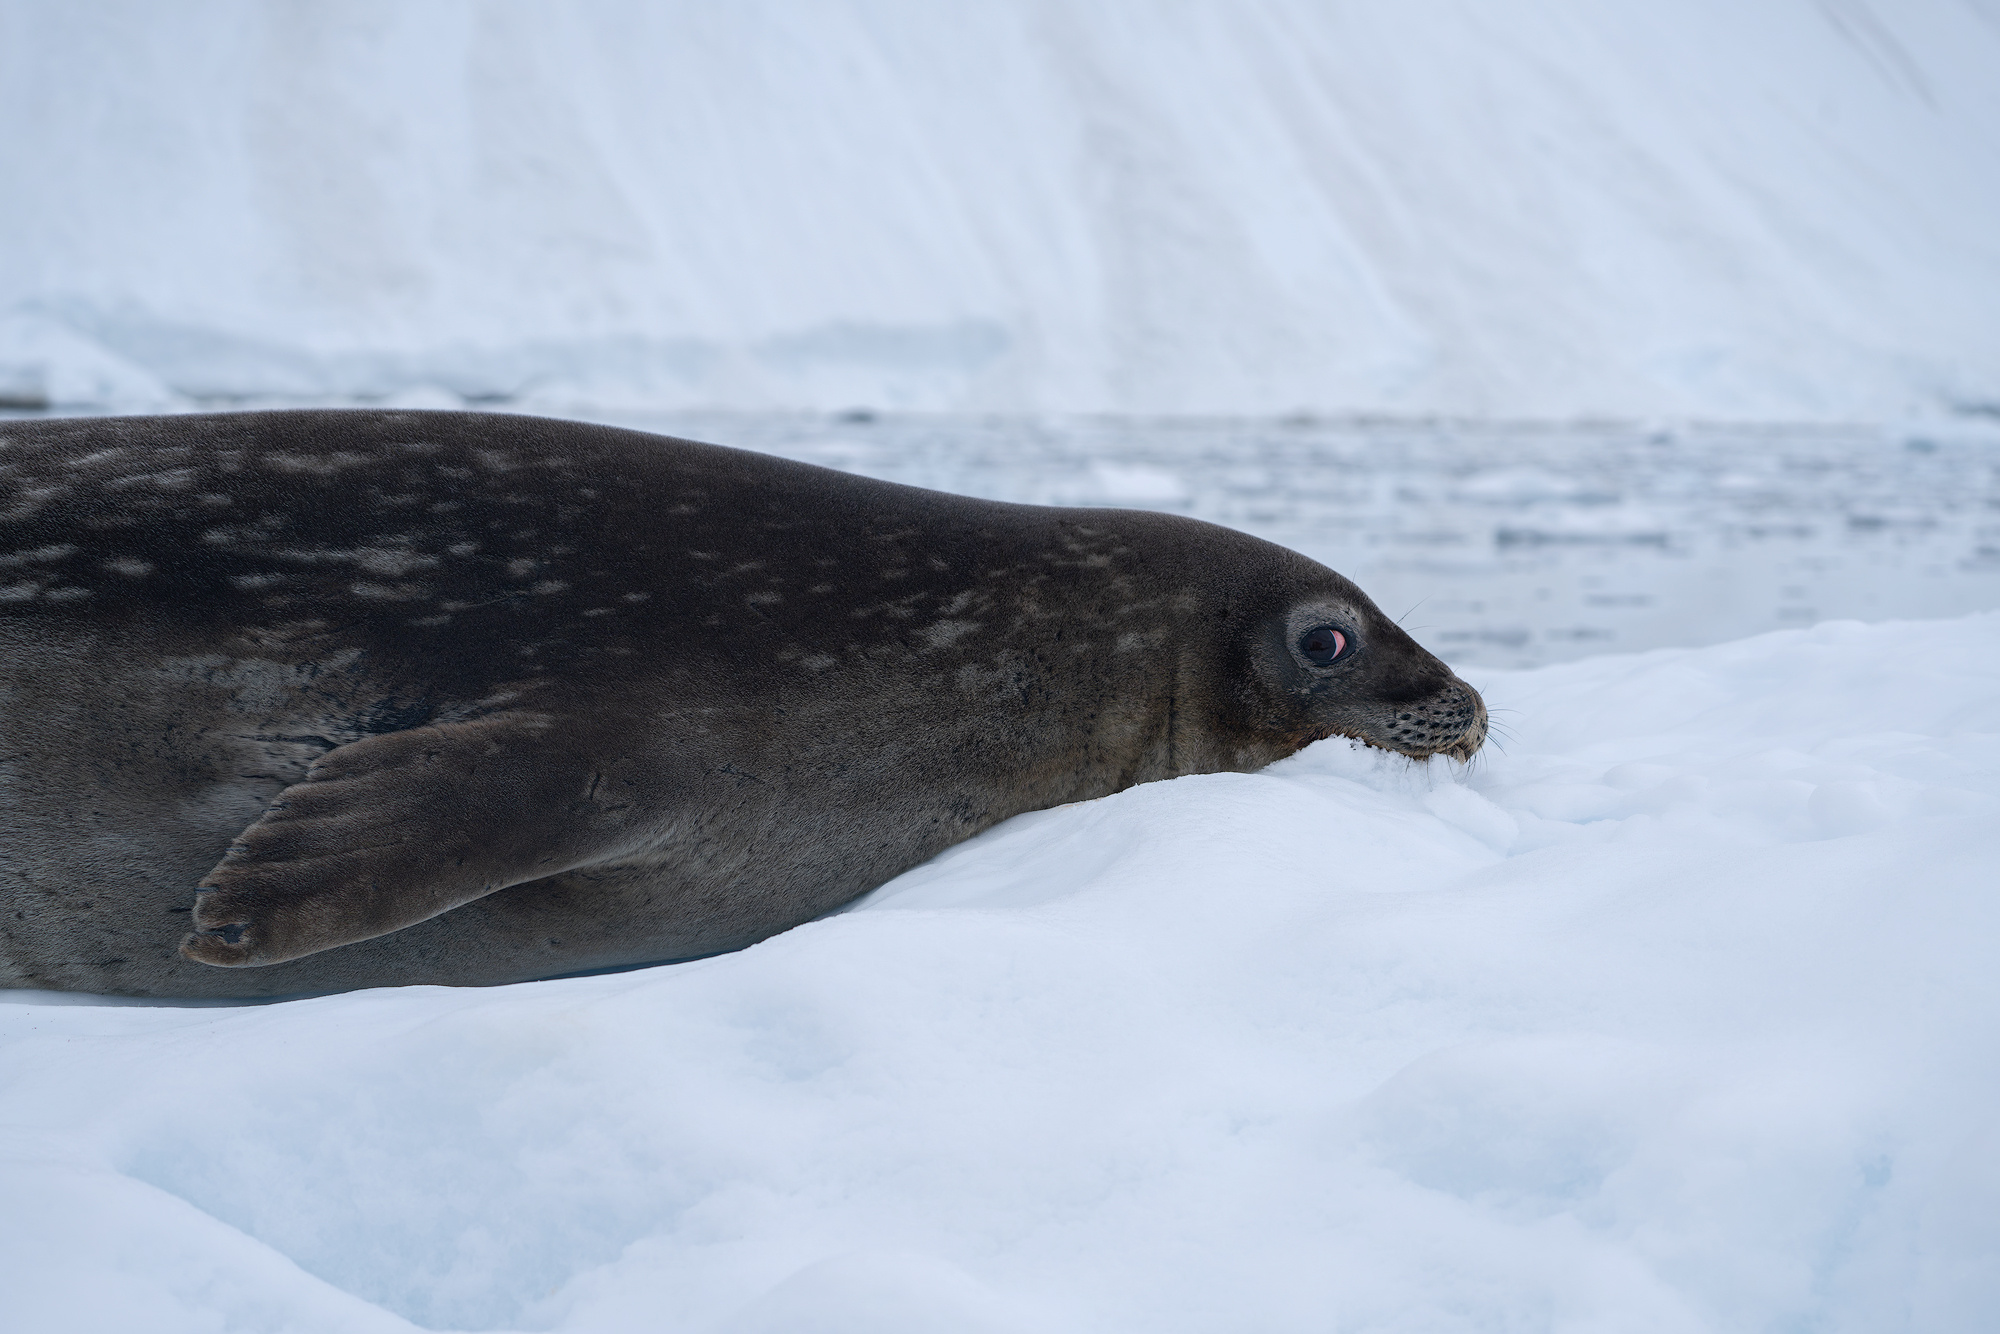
(1713, 207)
(1678, 1013)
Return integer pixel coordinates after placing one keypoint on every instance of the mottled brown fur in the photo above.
(467, 698)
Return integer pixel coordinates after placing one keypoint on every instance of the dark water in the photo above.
(1504, 545)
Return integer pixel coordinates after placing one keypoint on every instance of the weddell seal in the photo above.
(297, 702)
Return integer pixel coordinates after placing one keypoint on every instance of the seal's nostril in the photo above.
(231, 934)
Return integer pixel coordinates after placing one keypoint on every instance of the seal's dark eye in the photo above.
(1322, 645)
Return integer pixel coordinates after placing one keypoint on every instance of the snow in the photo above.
(1677, 1013)
(1716, 208)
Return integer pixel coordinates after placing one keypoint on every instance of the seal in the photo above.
(298, 702)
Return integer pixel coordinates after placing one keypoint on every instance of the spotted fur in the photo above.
(364, 698)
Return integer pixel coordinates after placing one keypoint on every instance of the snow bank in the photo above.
(1678, 1014)
(1546, 207)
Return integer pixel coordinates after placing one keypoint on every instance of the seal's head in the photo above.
(1308, 655)
(1332, 664)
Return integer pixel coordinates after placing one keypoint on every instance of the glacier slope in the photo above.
(1548, 207)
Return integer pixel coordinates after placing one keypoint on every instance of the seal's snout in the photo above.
(1474, 736)
(1449, 722)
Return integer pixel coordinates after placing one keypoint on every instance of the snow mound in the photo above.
(1547, 207)
(1676, 1014)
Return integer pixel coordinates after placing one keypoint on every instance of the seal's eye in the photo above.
(1322, 645)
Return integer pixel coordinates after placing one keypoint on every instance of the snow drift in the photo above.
(1678, 1015)
(1785, 207)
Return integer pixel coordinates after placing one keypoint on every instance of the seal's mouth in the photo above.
(1451, 723)
(1469, 741)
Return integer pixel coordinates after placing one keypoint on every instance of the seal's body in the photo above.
(467, 698)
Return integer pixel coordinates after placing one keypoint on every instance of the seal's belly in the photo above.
(126, 772)
(123, 776)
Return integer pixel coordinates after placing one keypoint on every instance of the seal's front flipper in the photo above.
(392, 830)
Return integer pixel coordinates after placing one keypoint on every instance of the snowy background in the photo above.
(1645, 358)
(1720, 208)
